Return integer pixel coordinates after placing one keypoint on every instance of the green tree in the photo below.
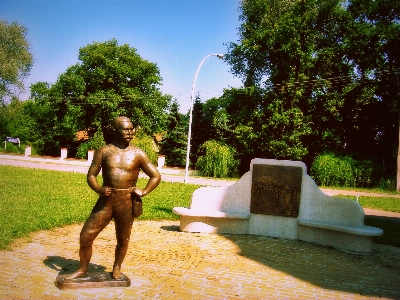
(201, 131)
(11, 116)
(257, 124)
(3, 121)
(21, 120)
(15, 58)
(374, 45)
(278, 52)
(324, 70)
(109, 81)
(174, 142)
(44, 136)
(283, 42)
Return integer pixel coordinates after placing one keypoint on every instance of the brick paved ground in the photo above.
(164, 263)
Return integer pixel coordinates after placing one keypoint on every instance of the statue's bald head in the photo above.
(121, 120)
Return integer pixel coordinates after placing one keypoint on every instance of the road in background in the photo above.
(81, 166)
(173, 175)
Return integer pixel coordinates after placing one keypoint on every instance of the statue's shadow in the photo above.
(170, 228)
(67, 266)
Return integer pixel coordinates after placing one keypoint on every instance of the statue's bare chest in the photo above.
(122, 159)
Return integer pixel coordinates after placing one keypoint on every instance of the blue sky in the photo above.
(174, 34)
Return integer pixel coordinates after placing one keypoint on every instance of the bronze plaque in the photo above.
(276, 190)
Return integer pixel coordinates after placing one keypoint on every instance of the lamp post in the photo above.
(220, 56)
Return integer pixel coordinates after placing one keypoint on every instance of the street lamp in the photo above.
(220, 56)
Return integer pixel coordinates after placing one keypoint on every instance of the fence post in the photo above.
(63, 153)
(161, 162)
(90, 154)
(28, 150)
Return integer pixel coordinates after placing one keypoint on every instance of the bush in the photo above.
(218, 160)
(37, 147)
(147, 144)
(92, 143)
(12, 148)
(332, 169)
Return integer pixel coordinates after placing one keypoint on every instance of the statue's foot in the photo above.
(117, 275)
(76, 275)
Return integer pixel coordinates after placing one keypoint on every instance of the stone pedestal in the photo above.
(93, 280)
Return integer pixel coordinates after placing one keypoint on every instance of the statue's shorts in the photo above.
(118, 206)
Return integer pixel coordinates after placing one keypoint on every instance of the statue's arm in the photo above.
(94, 170)
(150, 170)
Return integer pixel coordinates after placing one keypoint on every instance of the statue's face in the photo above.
(124, 131)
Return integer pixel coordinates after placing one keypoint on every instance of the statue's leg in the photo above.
(123, 225)
(99, 218)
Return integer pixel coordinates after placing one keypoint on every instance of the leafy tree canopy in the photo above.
(15, 58)
(324, 72)
(109, 80)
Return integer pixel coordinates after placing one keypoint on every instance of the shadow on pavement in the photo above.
(383, 218)
(170, 228)
(377, 274)
(66, 266)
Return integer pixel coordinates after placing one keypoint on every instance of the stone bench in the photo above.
(264, 202)
(358, 230)
(218, 209)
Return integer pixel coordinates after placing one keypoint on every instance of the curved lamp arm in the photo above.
(220, 56)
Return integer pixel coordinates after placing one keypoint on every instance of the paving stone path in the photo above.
(163, 263)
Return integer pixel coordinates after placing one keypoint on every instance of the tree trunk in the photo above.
(398, 146)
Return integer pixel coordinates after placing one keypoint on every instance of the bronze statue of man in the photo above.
(120, 163)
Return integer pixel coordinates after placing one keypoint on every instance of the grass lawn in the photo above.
(32, 200)
(358, 189)
(380, 203)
